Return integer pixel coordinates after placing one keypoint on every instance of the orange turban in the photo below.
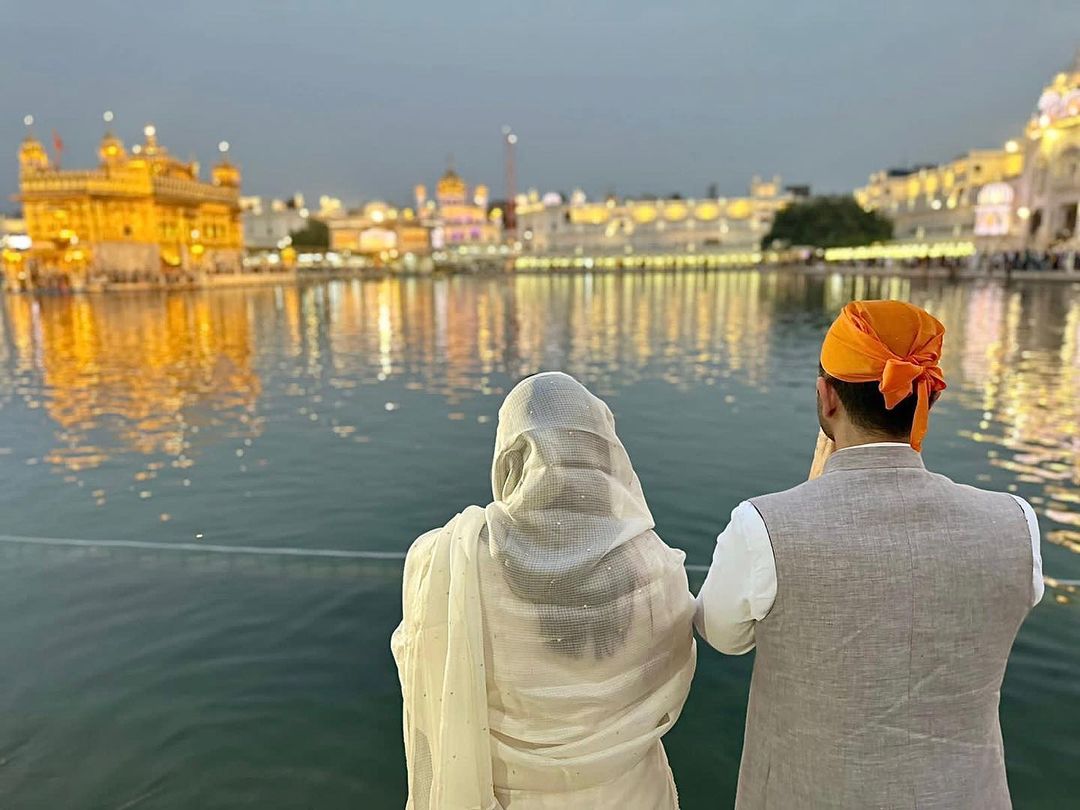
(894, 344)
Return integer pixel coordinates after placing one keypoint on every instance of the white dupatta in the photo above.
(542, 661)
(439, 650)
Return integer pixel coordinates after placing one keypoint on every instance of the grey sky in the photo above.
(364, 99)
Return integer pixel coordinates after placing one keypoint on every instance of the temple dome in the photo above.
(32, 154)
(451, 185)
(226, 173)
(111, 150)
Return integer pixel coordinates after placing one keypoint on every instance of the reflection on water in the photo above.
(1019, 364)
(130, 376)
(140, 377)
(354, 415)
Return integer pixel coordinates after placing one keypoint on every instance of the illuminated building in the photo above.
(329, 206)
(456, 219)
(268, 226)
(138, 216)
(938, 203)
(402, 236)
(1050, 190)
(381, 232)
(548, 224)
(1024, 195)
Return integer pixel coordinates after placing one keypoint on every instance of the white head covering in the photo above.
(566, 500)
(550, 660)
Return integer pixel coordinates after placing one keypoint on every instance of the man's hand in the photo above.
(824, 449)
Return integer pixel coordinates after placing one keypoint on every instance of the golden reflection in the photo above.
(133, 374)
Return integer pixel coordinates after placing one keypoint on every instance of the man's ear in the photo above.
(830, 402)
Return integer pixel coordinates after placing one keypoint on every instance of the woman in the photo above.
(546, 644)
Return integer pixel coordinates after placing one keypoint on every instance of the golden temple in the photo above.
(140, 216)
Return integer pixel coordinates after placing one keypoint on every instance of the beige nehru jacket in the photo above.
(898, 595)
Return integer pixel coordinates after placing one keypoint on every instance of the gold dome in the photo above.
(226, 173)
(32, 154)
(451, 185)
(111, 150)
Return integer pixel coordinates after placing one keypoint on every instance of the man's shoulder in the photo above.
(978, 495)
(825, 488)
(813, 489)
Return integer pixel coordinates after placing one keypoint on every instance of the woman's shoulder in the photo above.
(653, 544)
(420, 551)
(421, 547)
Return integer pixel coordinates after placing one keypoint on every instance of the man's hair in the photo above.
(865, 406)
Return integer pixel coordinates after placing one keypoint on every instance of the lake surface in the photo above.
(356, 415)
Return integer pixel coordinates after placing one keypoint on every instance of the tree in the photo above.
(836, 221)
(313, 236)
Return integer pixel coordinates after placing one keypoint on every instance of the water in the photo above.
(356, 415)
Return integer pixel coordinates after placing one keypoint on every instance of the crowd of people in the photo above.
(1060, 260)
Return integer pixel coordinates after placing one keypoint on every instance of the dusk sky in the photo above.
(362, 100)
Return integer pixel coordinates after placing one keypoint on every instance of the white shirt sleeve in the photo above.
(740, 587)
(1037, 584)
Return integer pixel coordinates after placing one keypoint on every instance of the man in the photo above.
(883, 598)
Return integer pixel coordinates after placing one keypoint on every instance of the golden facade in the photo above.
(938, 203)
(140, 216)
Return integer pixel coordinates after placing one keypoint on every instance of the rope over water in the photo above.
(283, 551)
